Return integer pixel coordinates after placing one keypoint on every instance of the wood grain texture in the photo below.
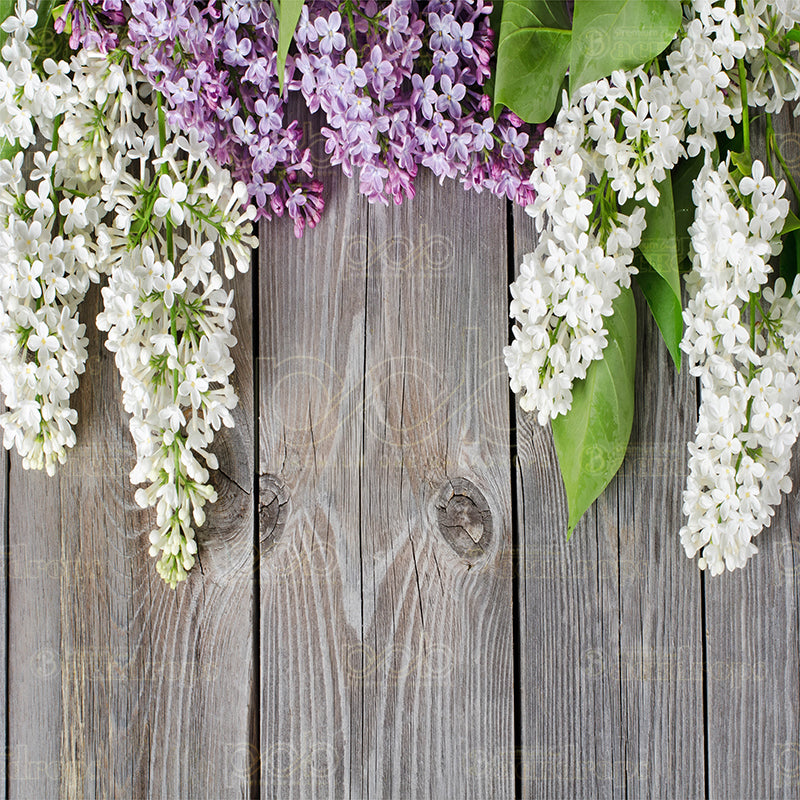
(753, 643)
(120, 686)
(311, 367)
(436, 512)
(611, 661)
(4, 460)
(660, 637)
(34, 634)
(386, 655)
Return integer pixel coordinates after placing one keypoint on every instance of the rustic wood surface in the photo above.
(753, 640)
(386, 599)
(4, 459)
(385, 603)
(612, 618)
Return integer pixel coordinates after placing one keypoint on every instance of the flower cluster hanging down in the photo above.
(50, 256)
(585, 252)
(740, 335)
(116, 191)
(742, 341)
(615, 145)
(402, 84)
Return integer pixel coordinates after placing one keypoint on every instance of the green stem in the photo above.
(162, 136)
(223, 234)
(348, 6)
(599, 194)
(745, 108)
(162, 123)
(56, 127)
(173, 312)
(745, 429)
(73, 192)
(173, 327)
(752, 370)
(753, 301)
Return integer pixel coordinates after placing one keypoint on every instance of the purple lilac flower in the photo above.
(407, 114)
(215, 64)
(92, 23)
(400, 84)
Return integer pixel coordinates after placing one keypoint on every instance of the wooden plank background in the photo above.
(385, 604)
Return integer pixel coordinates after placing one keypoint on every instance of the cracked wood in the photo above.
(120, 686)
(386, 657)
(610, 641)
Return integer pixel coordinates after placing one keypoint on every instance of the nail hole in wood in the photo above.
(464, 518)
(273, 507)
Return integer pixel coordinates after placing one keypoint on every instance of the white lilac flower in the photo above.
(169, 324)
(46, 267)
(167, 314)
(706, 96)
(567, 286)
(772, 57)
(740, 341)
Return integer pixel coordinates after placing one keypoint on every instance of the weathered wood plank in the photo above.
(660, 636)
(386, 657)
(4, 459)
(752, 668)
(119, 686)
(611, 670)
(312, 300)
(34, 633)
(753, 643)
(436, 523)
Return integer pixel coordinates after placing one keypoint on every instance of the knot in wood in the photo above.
(464, 518)
(273, 505)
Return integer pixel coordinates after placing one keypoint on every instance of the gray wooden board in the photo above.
(118, 685)
(752, 641)
(385, 509)
(436, 512)
(34, 635)
(3, 612)
(311, 357)
(611, 660)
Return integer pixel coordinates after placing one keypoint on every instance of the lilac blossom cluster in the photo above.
(92, 25)
(404, 85)
(215, 65)
(401, 85)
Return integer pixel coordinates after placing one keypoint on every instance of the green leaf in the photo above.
(8, 149)
(288, 16)
(666, 310)
(532, 57)
(792, 223)
(45, 11)
(618, 34)
(793, 34)
(659, 243)
(6, 10)
(592, 437)
(743, 162)
(683, 176)
(790, 258)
